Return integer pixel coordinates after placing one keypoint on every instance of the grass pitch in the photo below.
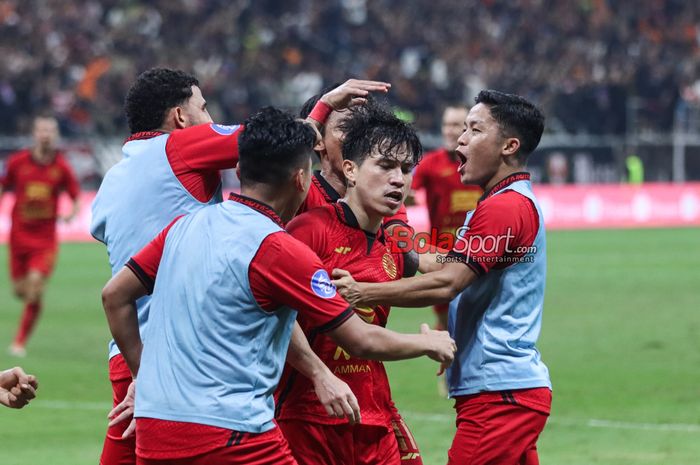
(621, 336)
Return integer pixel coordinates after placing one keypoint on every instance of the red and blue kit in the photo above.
(37, 187)
(332, 231)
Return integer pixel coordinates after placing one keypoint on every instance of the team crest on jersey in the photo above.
(321, 285)
(223, 129)
(389, 265)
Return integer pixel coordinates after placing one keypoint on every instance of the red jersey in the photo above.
(322, 193)
(334, 234)
(37, 187)
(448, 199)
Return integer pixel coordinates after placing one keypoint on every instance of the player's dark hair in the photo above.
(516, 117)
(153, 94)
(272, 145)
(372, 126)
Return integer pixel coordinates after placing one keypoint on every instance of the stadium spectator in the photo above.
(379, 152)
(80, 58)
(176, 166)
(227, 279)
(37, 175)
(17, 388)
(448, 200)
(502, 388)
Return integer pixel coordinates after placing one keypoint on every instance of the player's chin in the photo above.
(390, 206)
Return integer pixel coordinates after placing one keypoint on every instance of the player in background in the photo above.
(17, 388)
(224, 282)
(447, 199)
(171, 166)
(380, 152)
(37, 175)
(498, 268)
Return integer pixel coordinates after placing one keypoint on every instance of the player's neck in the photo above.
(43, 155)
(503, 172)
(334, 180)
(273, 197)
(366, 221)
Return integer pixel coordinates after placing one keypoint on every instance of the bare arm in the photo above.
(119, 301)
(374, 342)
(427, 289)
(333, 393)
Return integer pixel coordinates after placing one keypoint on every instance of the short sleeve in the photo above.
(286, 272)
(204, 147)
(501, 230)
(146, 262)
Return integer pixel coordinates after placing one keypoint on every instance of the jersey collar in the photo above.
(143, 135)
(346, 216)
(505, 182)
(325, 187)
(258, 206)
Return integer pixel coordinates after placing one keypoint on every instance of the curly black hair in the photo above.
(516, 117)
(373, 126)
(154, 93)
(273, 144)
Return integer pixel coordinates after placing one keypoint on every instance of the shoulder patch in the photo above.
(224, 130)
(322, 286)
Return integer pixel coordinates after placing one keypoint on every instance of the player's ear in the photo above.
(300, 183)
(179, 117)
(510, 146)
(350, 172)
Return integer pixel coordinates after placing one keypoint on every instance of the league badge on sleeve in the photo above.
(224, 130)
(322, 286)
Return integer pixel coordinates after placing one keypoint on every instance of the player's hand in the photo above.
(441, 347)
(17, 388)
(353, 92)
(125, 410)
(337, 397)
(347, 287)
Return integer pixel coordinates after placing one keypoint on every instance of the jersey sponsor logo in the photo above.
(350, 369)
(322, 286)
(342, 250)
(340, 352)
(223, 129)
(389, 265)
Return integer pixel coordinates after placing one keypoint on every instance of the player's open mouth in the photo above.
(395, 197)
(462, 159)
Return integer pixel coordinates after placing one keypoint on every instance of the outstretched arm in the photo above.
(427, 289)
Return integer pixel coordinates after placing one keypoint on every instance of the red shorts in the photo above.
(269, 448)
(494, 428)
(118, 451)
(314, 443)
(408, 449)
(22, 260)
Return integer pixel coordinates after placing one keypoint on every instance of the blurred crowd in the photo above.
(590, 63)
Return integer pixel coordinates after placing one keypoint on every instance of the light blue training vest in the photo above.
(139, 196)
(212, 355)
(496, 322)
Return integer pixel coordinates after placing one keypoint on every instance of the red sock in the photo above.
(29, 318)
